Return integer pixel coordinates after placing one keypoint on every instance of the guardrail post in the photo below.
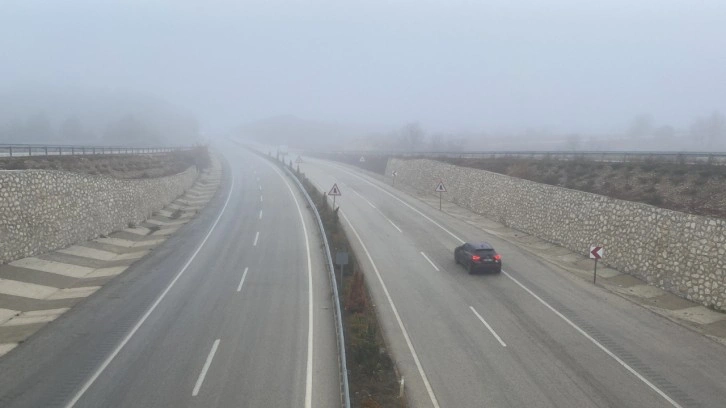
(11, 151)
(46, 150)
(30, 150)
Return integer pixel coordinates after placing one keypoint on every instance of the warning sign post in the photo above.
(335, 191)
(440, 189)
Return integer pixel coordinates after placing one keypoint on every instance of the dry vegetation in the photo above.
(372, 376)
(693, 188)
(117, 166)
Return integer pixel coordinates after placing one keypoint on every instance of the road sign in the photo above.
(440, 189)
(395, 173)
(362, 159)
(298, 160)
(596, 252)
(341, 258)
(335, 191)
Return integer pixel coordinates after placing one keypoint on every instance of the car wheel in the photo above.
(456, 258)
(471, 269)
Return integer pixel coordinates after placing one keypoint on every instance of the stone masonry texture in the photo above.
(678, 252)
(42, 210)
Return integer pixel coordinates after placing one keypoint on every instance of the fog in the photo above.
(559, 74)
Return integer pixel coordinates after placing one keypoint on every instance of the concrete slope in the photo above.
(223, 324)
(533, 336)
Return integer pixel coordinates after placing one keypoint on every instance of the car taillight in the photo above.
(475, 258)
(497, 257)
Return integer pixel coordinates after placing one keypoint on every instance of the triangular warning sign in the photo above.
(298, 160)
(335, 191)
(362, 159)
(440, 188)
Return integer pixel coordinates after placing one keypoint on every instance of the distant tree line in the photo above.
(705, 131)
(128, 129)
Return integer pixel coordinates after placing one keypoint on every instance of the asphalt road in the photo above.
(533, 336)
(224, 324)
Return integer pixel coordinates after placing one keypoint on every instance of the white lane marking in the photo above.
(309, 365)
(381, 212)
(260, 214)
(499, 339)
(432, 264)
(146, 315)
(242, 281)
(595, 342)
(257, 236)
(421, 372)
(359, 195)
(402, 202)
(207, 363)
(260, 198)
(260, 187)
(568, 321)
(394, 225)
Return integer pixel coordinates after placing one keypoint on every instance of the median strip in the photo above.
(373, 378)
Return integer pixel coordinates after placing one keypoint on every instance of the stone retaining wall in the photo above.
(678, 252)
(44, 210)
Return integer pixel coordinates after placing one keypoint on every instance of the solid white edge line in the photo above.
(257, 236)
(421, 372)
(309, 364)
(432, 264)
(146, 315)
(242, 281)
(499, 339)
(600, 346)
(207, 363)
(597, 343)
(399, 200)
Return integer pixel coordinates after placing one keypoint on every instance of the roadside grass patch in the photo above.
(373, 380)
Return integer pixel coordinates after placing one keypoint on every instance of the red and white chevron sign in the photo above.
(596, 252)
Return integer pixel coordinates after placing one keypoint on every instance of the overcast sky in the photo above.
(451, 65)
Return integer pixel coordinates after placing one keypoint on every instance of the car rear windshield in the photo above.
(485, 252)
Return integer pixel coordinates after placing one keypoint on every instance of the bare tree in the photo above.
(412, 136)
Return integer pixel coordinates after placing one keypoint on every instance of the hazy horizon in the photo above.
(558, 66)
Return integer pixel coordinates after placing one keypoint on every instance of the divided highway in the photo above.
(234, 310)
(533, 336)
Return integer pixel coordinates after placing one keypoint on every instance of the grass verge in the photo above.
(373, 380)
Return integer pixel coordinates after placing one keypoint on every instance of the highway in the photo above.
(533, 336)
(234, 310)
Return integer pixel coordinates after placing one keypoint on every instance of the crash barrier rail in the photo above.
(24, 150)
(333, 280)
(334, 284)
(612, 156)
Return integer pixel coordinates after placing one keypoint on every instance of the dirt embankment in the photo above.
(118, 166)
(692, 188)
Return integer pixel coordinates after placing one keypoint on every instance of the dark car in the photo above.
(478, 257)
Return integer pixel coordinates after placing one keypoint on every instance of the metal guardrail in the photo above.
(615, 156)
(25, 150)
(334, 284)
